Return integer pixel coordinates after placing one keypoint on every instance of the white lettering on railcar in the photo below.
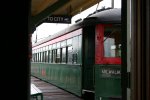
(111, 71)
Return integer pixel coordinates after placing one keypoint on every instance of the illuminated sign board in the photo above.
(58, 19)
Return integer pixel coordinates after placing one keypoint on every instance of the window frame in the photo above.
(99, 48)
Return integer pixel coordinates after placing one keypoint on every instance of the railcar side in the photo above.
(59, 61)
(84, 58)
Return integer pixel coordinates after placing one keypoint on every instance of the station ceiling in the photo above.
(41, 9)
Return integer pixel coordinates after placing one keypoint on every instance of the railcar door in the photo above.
(88, 62)
(108, 62)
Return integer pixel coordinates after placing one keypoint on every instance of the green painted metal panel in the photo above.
(88, 83)
(67, 77)
(107, 82)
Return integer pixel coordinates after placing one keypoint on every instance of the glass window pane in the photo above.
(54, 55)
(45, 53)
(35, 57)
(49, 56)
(58, 56)
(69, 41)
(63, 55)
(75, 45)
(70, 54)
(38, 57)
(58, 45)
(112, 41)
(63, 43)
(46, 56)
(75, 55)
(46, 48)
(42, 57)
(54, 46)
(50, 47)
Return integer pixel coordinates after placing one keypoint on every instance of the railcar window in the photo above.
(39, 56)
(46, 48)
(50, 54)
(46, 56)
(112, 41)
(58, 60)
(69, 41)
(58, 45)
(63, 55)
(63, 43)
(54, 46)
(70, 58)
(43, 56)
(75, 48)
(54, 55)
(35, 57)
(79, 50)
(75, 55)
(50, 47)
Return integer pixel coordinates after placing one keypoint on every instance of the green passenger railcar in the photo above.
(85, 58)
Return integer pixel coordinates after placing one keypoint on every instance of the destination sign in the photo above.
(58, 19)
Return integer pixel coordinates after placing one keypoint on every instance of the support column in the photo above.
(140, 64)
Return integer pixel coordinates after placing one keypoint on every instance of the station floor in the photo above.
(51, 92)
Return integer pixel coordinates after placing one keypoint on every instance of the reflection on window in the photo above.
(69, 41)
(63, 43)
(46, 56)
(58, 56)
(63, 55)
(38, 57)
(75, 58)
(49, 56)
(54, 46)
(112, 41)
(70, 54)
(41, 56)
(54, 52)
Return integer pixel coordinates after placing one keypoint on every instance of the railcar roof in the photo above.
(105, 16)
